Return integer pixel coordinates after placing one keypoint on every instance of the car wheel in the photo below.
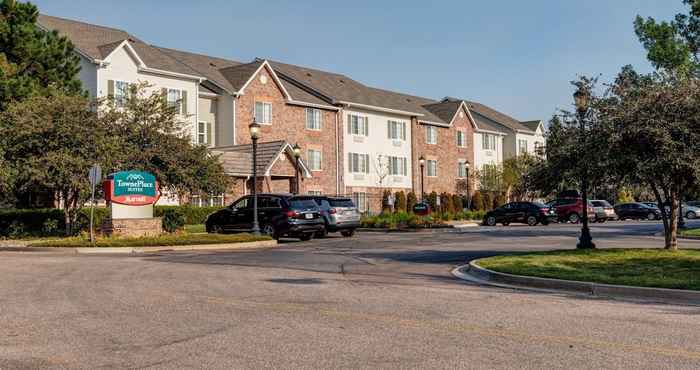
(651, 216)
(691, 215)
(532, 221)
(269, 230)
(305, 237)
(347, 233)
(322, 234)
(490, 221)
(214, 229)
(574, 218)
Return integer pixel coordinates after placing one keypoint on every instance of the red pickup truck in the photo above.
(571, 209)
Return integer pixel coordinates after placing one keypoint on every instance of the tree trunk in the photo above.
(66, 211)
(672, 234)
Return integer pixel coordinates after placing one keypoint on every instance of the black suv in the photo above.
(526, 212)
(278, 215)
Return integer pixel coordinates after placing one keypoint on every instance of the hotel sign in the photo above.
(133, 188)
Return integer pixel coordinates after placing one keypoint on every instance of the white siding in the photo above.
(88, 76)
(482, 156)
(376, 144)
(121, 66)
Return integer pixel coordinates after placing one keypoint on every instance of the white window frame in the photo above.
(265, 117)
(461, 139)
(358, 163)
(121, 93)
(315, 163)
(431, 135)
(177, 101)
(434, 164)
(360, 199)
(358, 125)
(488, 142)
(203, 133)
(313, 119)
(396, 130)
(522, 146)
(461, 169)
(398, 166)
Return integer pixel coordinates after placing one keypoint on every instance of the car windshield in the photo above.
(342, 203)
(601, 203)
(302, 203)
(540, 205)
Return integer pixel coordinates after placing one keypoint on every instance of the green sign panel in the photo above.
(134, 183)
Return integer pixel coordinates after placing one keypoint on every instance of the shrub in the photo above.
(477, 202)
(432, 200)
(457, 203)
(193, 215)
(386, 207)
(411, 201)
(173, 220)
(400, 205)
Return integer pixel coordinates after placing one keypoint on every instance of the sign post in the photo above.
(95, 176)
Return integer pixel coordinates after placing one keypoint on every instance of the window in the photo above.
(314, 157)
(539, 148)
(360, 200)
(461, 169)
(430, 135)
(358, 125)
(314, 192)
(398, 166)
(432, 167)
(461, 139)
(396, 130)
(263, 112)
(522, 146)
(207, 200)
(121, 92)
(358, 163)
(488, 141)
(175, 99)
(313, 119)
(202, 133)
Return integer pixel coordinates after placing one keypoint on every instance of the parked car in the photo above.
(571, 209)
(530, 213)
(339, 214)
(278, 215)
(693, 203)
(604, 211)
(688, 210)
(637, 211)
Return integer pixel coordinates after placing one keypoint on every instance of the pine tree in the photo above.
(33, 62)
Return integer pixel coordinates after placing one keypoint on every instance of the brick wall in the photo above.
(289, 123)
(447, 154)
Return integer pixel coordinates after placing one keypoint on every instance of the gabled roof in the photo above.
(98, 42)
(207, 66)
(532, 125)
(495, 116)
(238, 76)
(237, 160)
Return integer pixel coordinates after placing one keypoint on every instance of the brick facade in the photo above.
(289, 123)
(447, 154)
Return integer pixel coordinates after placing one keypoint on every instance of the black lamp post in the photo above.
(469, 196)
(581, 98)
(255, 135)
(297, 154)
(421, 160)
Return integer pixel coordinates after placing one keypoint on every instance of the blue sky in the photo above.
(516, 56)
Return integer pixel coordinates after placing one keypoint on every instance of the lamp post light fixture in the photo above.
(467, 165)
(421, 160)
(254, 136)
(297, 155)
(582, 100)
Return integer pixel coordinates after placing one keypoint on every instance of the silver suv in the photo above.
(339, 214)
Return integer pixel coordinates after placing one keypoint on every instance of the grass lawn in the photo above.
(195, 229)
(163, 240)
(690, 232)
(656, 268)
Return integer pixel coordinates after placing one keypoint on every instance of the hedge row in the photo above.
(51, 222)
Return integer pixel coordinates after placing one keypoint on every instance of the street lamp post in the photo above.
(421, 160)
(255, 135)
(297, 154)
(581, 98)
(469, 196)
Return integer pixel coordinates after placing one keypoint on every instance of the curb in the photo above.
(141, 250)
(423, 230)
(477, 274)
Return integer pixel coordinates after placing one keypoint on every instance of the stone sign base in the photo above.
(132, 227)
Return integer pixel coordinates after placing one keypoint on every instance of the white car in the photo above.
(689, 212)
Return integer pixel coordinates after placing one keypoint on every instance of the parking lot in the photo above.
(377, 300)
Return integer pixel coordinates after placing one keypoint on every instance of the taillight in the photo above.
(291, 214)
(332, 211)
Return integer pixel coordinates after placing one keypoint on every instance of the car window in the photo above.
(302, 203)
(597, 203)
(243, 204)
(323, 204)
(508, 206)
(566, 202)
(269, 202)
(539, 205)
(343, 203)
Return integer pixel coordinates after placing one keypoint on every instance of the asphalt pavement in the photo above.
(373, 301)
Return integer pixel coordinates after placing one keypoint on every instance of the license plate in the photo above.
(309, 216)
